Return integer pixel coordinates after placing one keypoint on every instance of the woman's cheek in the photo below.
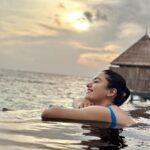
(95, 95)
(98, 92)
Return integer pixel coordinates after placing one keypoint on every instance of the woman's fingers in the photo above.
(85, 104)
(81, 105)
(92, 103)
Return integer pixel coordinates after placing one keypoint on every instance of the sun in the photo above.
(78, 21)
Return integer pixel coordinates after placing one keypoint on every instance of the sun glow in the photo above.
(78, 21)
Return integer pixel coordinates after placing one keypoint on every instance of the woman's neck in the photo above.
(103, 103)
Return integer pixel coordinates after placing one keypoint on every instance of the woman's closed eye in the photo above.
(96, 81)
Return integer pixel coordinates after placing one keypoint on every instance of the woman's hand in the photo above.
(85, 103)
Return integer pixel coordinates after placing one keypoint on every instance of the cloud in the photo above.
(97, 15)
(24, 41)
(106, 48)
(130, 30)
(95, 59)
(40, 29)
(99, 2)
(48, 18)
(81, 45)
(14, 55)
(70, 14)
(111, 47)
(9, 29)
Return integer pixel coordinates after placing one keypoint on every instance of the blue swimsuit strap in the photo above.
(113, 117)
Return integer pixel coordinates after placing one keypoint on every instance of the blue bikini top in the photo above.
(113, 116)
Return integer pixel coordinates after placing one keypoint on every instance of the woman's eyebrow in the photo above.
(97, 78)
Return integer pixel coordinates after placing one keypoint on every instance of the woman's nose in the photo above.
(89, 84)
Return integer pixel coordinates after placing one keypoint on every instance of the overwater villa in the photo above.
(134, 65)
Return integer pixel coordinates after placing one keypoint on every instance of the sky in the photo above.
(73, 37)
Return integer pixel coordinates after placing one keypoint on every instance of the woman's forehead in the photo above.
(101, 76)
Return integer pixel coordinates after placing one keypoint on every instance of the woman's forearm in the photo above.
(50, 113)
(93, 113)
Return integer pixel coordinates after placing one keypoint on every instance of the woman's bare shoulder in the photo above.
(119, 111)
(122, 115)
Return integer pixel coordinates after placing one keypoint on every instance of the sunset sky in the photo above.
(74, 37)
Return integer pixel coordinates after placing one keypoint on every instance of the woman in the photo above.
(105, 93)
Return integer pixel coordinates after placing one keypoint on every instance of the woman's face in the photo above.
(97, 88)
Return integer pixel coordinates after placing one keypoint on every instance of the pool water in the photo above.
(27, 94)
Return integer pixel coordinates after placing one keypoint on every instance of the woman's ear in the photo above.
(112, 92)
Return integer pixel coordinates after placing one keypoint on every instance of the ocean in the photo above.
(26, 94)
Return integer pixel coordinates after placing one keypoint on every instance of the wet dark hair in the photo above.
(115, 80)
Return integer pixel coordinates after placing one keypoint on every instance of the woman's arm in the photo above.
(91, 113)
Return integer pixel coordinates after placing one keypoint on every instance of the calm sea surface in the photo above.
(27, 94)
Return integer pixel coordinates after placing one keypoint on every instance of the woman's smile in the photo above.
(89, 90)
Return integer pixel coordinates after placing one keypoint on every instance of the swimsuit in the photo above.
(113, 116)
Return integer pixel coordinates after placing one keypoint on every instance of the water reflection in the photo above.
(53, 135)
(102, 137)
(109, 138)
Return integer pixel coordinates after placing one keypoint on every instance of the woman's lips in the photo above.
(89, 90)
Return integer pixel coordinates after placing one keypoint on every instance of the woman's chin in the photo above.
(89, 96)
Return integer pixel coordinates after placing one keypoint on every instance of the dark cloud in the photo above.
(48, 27)
(96, 15)
(99, 15)
(88, 15)
(58, 29)
(61, 5)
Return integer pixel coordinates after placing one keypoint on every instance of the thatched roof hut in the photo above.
(134, 65)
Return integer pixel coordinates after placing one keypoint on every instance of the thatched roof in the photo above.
(136, 55)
